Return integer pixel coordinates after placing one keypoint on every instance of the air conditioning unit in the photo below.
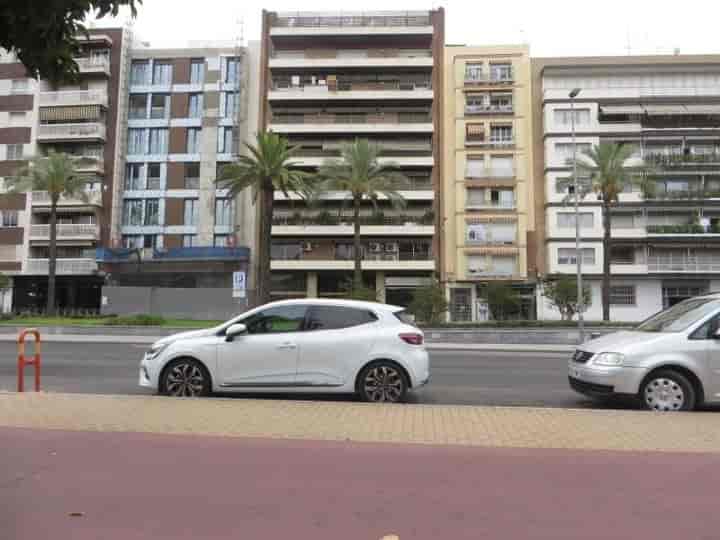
(476, 269)
(376, 247)
(307, 246)
(391, 247)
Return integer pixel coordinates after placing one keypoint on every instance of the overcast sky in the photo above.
(551, 27)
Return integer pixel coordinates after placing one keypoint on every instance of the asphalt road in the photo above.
(458, 377)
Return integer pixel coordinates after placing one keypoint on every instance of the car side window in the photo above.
(336, 317)
(276, 320)
(707, 330)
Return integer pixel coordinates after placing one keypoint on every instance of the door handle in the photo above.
(287, 346)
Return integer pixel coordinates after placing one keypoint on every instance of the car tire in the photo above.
(185, 377)
(668, 391)
(382, 382)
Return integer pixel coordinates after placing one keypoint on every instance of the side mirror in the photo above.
(235, 330)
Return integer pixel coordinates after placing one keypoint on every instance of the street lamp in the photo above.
(578, 253)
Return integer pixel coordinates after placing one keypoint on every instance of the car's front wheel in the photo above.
(185, 377)
(382, 382)
(668, 391)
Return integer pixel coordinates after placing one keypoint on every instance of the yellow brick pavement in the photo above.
(340, 421)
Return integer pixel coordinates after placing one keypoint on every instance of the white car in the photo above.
(309, 345)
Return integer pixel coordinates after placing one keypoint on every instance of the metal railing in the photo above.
(355, 53)
(491, 143)
(330, 220)
(93, 64)
(66, 230)
(681, 229)
(356, 86)
(359, 118)
(92, 130)
(350, 21)
(492, 206)
(490, 172)
(681, 264)
(85, 97)
(489, 109)
(62, 267)
(42, 198)
(489, 78)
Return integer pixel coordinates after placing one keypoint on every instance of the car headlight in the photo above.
(609, 359)
(155, 351)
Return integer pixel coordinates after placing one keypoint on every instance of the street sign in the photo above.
(239, 285)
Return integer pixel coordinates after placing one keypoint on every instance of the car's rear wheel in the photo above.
(382, 382)
(185, 377)
(668, 391)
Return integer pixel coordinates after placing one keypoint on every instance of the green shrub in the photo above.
(136, 320)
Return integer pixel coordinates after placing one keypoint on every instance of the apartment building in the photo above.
(329, 78)
(185, 114)
(666, 237)
(487, 176)
(80, 119)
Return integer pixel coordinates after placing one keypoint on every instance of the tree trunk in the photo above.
(264, 247)
(357, 252)
(52, 255)
(607, 256)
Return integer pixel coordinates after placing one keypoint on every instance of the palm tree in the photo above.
(359, 173)
(266, 169)
(57, 174)
(606, 164)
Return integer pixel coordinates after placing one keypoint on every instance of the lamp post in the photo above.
(578, 253)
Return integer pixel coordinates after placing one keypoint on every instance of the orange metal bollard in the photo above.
(22, 361)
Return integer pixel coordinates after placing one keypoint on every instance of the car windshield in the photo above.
(679, 317)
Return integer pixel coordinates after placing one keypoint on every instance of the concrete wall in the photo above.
(198, 303)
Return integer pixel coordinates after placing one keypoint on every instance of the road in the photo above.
(458, 377)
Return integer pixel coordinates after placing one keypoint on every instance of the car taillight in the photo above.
(412, 339)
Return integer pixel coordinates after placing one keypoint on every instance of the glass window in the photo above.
(152, 212)
(134, 176)
(564, 116)
(475, 167)
(566, 220)
(17, 118)
(502, 166)
(286, 251)
(192, 211)
(224, 211)
(138, 106)
(473, 72)
(18, 86)
(501, 133)
(189, 240)
(139, 72)
(569, 256)
(133, 212)
(9, 218)
(225, 140)
(153, 176)
(230, 102)
(501, 72)
(158, 141)
(159, 106)
(195, 106)
(150, 241)
(460, 305)
(162, 73)
(193, 140)
(14, 152)
(132, 241)
(192, 176)
(336, 317)
(276, 320)
(681, 316)
(232, 70)
(622, 295)
(221, 240)
(197, 71)
(565, 150)
(137, 141)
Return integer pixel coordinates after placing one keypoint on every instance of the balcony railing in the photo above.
(681, 159)
(86, 97)
(490, 143)
(681, 195)
(511, 205)
(199, 253)
(490, 172)
(61, 132)
(489, 109)
(350, 21)
(354, 86)
(333, 220)
(360, 118)
(285, 54)
(681, 229)
(63, 266)
(66, 231)
(680, 264)
(93, 198)
(96, 64)
(489, 78)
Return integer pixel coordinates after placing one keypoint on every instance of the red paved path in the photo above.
(139, 486)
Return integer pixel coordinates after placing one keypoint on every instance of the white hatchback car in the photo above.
(309, 345)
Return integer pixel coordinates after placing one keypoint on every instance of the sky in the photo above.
(551, 27)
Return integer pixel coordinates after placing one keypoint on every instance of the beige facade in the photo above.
(488, 213)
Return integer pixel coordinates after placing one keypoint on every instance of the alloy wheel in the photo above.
(384, 383)
(185, 379)
(664, 395)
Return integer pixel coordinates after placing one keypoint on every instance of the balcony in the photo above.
(353, 123)
(494, 206)
(679, 159)
(353, 90)
(306, 159)
(681, 230)
(64, 267)
(490, 173)
(200, 253)
(42, 198)
(504, 78)
(91, 165)
(73, 98)
(488, 109)
(93, 131)
(401, 22)
(683, 264)
(492, 143)
(78, 231)
(99, 65)
(366, 58)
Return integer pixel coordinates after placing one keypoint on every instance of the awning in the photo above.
(621, 109)
(493, 250)
(70, 114)
(490, 219)
(475, 129)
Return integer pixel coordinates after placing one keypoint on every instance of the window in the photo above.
(197, 71)
(17, 118)
(139, 72)
(475, 132)
(287, 251)
(232, 70)
(195, 106)
(707, 330)
(192, 211)
(622, 295)
(230, 104)
(337, 317)
(18, 86)
(9, 218)
(461, 305)
(134, 176)
(622, 255)
(158, 141)
(138, 106)
(475, 167)
(565, 186)
(565, 150)
(133, 212)
(565, 116)
(150, 241)
(132, 241)
(193, 140)
(189, 240)
(501, 133)
(276, 320)
(473, 72)
(159, 106)
(224, 209)
(569, 256)
(192, 176)
(475, 197)
(501, 72)
(14, 152)
(162, 73)
(221, 240)
(566, 220)
(152, 212)
(225, 140)
(137, 141)
(153, 176)
(502, 166)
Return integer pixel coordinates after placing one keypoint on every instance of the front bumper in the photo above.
(601, 381)
(147, 377)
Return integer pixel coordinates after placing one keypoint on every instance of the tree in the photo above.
(360, 173)
(501, 299)
(429, 303)
(606, 166)
(266, 169)
(44, 34)
(561, 293)
(57, 174)
(364, 293)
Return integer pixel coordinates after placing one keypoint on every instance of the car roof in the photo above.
(337, 302)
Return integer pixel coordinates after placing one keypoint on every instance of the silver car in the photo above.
(671, 362)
